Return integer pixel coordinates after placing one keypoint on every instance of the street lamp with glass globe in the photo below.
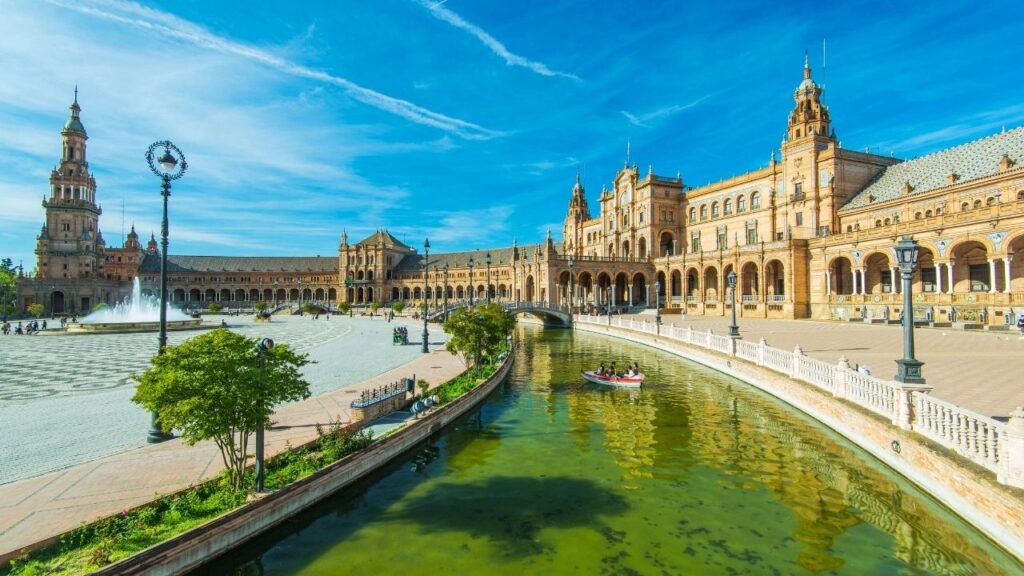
(262, 347)
(487, 259)
(734, 330)
(445, 302)
(168, 167)
(908, 368)
(426, 262)
(471, 287)
(657, 305)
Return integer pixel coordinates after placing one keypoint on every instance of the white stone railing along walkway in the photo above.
(994, 445)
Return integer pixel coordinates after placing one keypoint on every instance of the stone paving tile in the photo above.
(70, 394)
(981, 371)
(36, 508)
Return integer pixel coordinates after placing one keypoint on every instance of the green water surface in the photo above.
(694, 474)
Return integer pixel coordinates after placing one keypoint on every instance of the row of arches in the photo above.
(239, 295)
(715, 209)
(970, 267)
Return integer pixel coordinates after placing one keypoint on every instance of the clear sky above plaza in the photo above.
(461, 120)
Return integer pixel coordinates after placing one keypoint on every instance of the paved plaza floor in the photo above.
(65, 399)
(981, 371)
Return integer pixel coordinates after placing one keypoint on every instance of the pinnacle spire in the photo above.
(807, 65)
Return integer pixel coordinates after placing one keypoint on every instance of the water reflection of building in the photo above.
(626, 420)
(751, 437)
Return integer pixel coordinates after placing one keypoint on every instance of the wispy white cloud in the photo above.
(132, 14)
(446, 15)
(975, 125)
(659, 114)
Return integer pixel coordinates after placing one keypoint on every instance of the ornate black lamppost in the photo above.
(426, 260)
(262, 347)
(471, 287)
(657, 305)
(908, 368)
(487, 259)
(445, 302)
(167, 167)
(572, 293)
(608, 295)
(734, 330)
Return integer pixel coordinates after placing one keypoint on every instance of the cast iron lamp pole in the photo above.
(426, 261)
(445, 303)
(608, 296)
(471, 287)
(657, 305)
(572, 293)
(734, 330)
(908, 368)
(487, 259)
(168, 168)
(262, 347)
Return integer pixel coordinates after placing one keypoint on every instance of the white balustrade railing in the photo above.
(977, 438)
(879, 396)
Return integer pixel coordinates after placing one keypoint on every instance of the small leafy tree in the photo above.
(344, 307)
(310, 308)
(8, 287)
(36, 310)
(481, 331)
(398, 307)
(211, 388)
(373, 307)
(260, 307)
(213, 308)
(423, 385)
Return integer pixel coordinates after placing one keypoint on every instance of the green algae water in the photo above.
(694, 474)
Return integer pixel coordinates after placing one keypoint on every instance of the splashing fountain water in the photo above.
(135, 308)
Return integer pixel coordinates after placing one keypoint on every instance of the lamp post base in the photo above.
(155, 434)
(734, 331)
(908, 370)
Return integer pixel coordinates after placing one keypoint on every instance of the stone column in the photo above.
(949, 276)
(1006, 274)
(938, 278)
(991, 276)
(828, 282)
(863, 281)
(893, 277)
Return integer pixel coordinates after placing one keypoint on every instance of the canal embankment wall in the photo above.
(970, 463)
(200, 545)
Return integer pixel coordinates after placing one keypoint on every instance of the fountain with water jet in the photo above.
(136, 313)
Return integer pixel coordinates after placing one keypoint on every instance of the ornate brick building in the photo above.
(810, 234)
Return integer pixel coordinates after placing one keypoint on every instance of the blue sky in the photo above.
(464, 121)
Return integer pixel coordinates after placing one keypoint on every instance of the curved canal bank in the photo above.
(858, 408)
(696, 473)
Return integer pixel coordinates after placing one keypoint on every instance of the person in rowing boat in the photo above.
(601, 370)
(611, 370)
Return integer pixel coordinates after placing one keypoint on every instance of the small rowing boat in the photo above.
(624, 381)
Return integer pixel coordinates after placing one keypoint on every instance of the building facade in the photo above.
(809, 235)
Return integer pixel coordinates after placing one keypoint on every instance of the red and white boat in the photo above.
(624, 381)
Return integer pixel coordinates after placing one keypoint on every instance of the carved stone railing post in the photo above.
(842, 374)
(762, 348)
(1013, 450)
(904, 413)
(794, 369)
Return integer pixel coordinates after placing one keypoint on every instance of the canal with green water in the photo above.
(696, 473)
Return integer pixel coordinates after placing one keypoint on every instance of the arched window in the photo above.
(917, 215)
(1020, 194)
(755, 200)
(965, 207)
(849, 228)
(990, 201)
(727, 207)
(704, 212)
(938, 211)
(878, 223)
(887, 222)
(927, 213)
(977, 203)
(741, 204)
(714, 209)
(693, 212)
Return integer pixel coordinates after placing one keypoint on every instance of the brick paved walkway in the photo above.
(47, 505)
(981, 371)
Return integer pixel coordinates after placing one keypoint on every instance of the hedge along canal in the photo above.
(696, 473)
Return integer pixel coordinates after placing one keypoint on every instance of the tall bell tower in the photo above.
(70, 244)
